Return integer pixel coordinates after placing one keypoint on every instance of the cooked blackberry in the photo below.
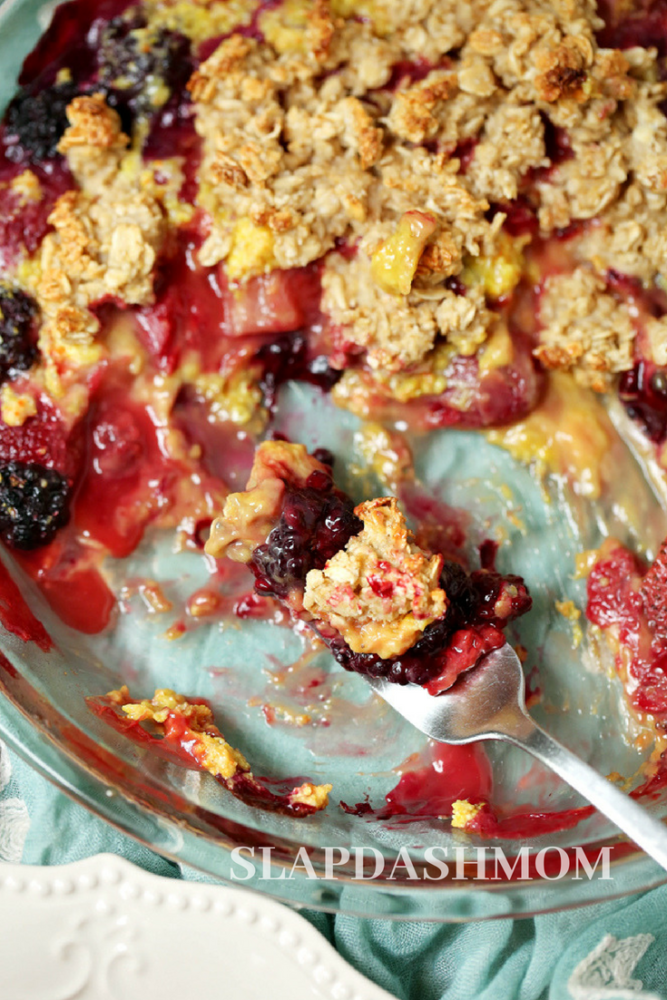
(34, 504)
(17, 320)
(141, 67)
(35, 122)
(287, 358)
(315, 523)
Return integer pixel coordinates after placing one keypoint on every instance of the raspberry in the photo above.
(43, 439)
(34, 504)
(653, 592)
(17, 319)
(35, 122)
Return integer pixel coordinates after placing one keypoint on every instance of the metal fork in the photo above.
(487, 703)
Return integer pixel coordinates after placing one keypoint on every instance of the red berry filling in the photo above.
(626, 599)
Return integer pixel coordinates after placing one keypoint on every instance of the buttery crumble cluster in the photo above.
(309, 139)
(106, 238)
(380, 591)
(248, 517)
(385, 138)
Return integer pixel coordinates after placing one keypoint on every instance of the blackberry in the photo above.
(34, 504)
(315, 523)
(17, 322)
(287, 358)
(35, 122)
(140, 66)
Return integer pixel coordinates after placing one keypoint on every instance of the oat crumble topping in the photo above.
(585, 329)
(342, 158)
(248, 517)
(380, 591)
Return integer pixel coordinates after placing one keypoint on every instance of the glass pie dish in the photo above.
(293, 712)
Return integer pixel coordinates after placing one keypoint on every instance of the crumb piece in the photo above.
(386, 452)
(94, 142)
(211, 749)
(380, 591)
(512, 142)
(316, 796)
(414, 114)
(584, 329)
(154, 597)
(102, 247)
(234, 396)
(464, 812)
(27, 186)
(105, 242)
(202, 603)
(569, 610)
(394, 332)
(16, 407)
(583, 186)
(399, 332)
(584, 562)
(248, 517)
(630, 236)
(562, 70)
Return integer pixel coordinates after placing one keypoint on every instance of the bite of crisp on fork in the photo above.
(385, 606)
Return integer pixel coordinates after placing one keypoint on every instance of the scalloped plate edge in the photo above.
(103, 928)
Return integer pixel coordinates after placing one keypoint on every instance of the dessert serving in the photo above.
(444, 217)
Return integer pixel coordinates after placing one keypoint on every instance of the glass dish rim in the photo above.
(28, 735)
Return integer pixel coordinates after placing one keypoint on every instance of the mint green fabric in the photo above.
(531, 959)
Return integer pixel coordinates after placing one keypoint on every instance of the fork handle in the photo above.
(630, 817)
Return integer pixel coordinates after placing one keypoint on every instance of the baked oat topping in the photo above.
(247, 518)
(585, 330)
(381, 591)
(105, 240)
(343, 158)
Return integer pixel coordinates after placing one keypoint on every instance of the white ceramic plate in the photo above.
(102, 929)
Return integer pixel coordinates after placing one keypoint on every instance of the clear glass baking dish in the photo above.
(189, 818)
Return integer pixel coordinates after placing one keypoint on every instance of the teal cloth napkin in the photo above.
(611, 951)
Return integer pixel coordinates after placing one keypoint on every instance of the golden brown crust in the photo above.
(414, 111)
(562, 71)
(92, 123)
(585, 330)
